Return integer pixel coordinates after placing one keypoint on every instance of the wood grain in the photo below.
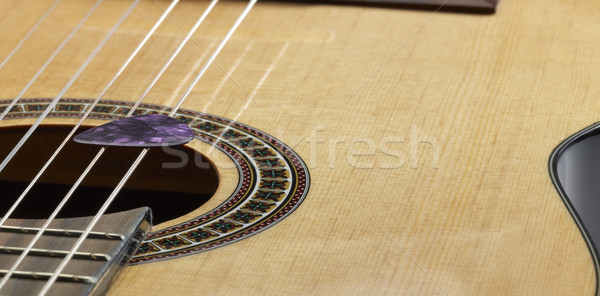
(454, 116)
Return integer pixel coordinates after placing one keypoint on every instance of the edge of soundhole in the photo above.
(170, 180)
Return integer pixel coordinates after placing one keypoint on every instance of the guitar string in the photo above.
(212, 59)
(227, 76)
(10, 272)
(175, 54)
(141, 156)
(24, 39)
(90, 109)
(264, 77)
(99, 154)
(213, 98)
(254, 94)
(214, 55)
(236, 117)
(55, 101)
(49, 60)
(345, 102)
(215, 63)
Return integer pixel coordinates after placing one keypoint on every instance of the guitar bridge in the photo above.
(92, 268)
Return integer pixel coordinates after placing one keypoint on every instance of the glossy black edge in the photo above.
(552, 167)
(487, 7)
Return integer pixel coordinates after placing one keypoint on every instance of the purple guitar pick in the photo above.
(153, 130)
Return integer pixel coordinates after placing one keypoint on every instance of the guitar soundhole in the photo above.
(172, 181)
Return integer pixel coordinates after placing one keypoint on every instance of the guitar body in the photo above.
(426, 136)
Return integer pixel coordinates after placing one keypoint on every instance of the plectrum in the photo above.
(153, 130)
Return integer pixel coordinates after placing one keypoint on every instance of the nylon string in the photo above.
(63, 202)
(141, 156)
(102, 150)
(91, 108)
(66, 87)
(49, 60)
(37, 24)
(92, 55)
(78, 182)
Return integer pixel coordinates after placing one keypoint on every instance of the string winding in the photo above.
(49, 60)
(90, 109)
(13, 268)
(142, 154)
(28, 34)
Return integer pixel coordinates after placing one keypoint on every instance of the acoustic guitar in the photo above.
(337, 149)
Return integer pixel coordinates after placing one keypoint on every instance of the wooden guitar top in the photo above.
(426, 136)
